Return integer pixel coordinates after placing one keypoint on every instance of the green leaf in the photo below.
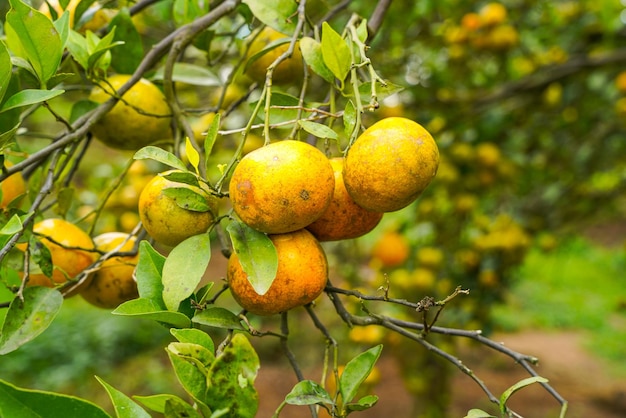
(27, 319)
(231, 379)
(211, 136)
(100, 55)
(517, 386)
(29, 97)
(187, 73)
(148, 273)
(362, 404)
(13, 226)
(177, 408)
(81, 108)
(11, 123)
(127, 56)
(307, 392)
(184, 268)
(349, 119)
(281, 115)
(124, 406)
(217, 317)
(192, 379)
(192, 154)
(188, 199)
(40, 254)
(5, 70)
(318, 130)
(382, 91)
(185, 11)
(37, 38)
(194, 336)
(184, 177)
(336, 52)
(62, 25)
(77, 46)
(356, 371)
(478, 413)
(196, 354)
(257, 255)
(27, 403)
(157, 403)
(312, 54)
(159, 154)
(361, 31)
(278, 14)
(147, 309)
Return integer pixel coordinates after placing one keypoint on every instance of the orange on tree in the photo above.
(166, 221)
(141, 117)
(113, 282)
(492, 14)
(620, 82)
(282, 187)
(286, 72)
(391, 249)
(71, 251)
(390, 164)
(94, 18)
(12, 187)
(343, 219)
(301, 276)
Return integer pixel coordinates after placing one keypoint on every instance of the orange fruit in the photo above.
(390, 164)
(12, 187)
(300, 279)
(282, 187)
(492, 14)
(343, 219)
(71, 250)
(165, 220)
(123, 127)
(620, 82)
(391, 249)
(471, 21)
(286, 72)
(113, 283)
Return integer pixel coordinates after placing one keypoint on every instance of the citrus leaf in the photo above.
(183, 269)
(335, 52)
(157, 403)
(199, 356)
(185, 177)
(29, 97)
(318, 130)
(41, 255)
(278, 14)
(211, 136)
(100, 56)
(147, 309)
(5, 70)
(124, 406)
(362, 404)
(195, 336)
(62, 25)
(127, 56)
(217, 317)
(27, 403)
(13, 226)
(307, 392)
(257, 255)
(187, 73)
(185, 11)
(517, 386)
(77, 46)
(192, 379)
(28, 318)
(356, 371)
(148, 274)
(192, 155)
(382, 91)
(80, 108)
(159, 154)
(478, 413)
(349, 118)
(282, 114)
(312, 54)
(177, 408)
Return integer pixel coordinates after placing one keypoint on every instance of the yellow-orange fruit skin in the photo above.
(300, 279)
(390, 164)
(12, 187)
(287, 71)
(282, 187)
(343, 219)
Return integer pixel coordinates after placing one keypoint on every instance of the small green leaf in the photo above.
(191, 74)
(29, 97)
(198, 355)
(478, 413)
(356, 371)
(127, 56)
(40, 254)
(100, 55)
(184, 268)
(185, 11)
(157, 403)
(362, 404)
(382, 91)
(336, 52)
(192, 379)
(159, 154)
(192, 154)
(148, 273)
(217, 317)
(27, 319)
(81, 108)
(62, 25)
(312, 54)
(13, 226)
(318, 130)
(77, 46)
(124, 406)
(307, 392)
(194, 336)
(5, 70)
(257, 255)
(519, 385)
(211, 136)
(177, 408)
(349, 119)
(185, 177)
(278, 14)
(147, 309)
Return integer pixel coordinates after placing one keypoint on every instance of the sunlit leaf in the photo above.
(318, 130)
(192, 154)
(308, 392)
(124, 406)
(147, 309)
(13, 226)
(128, 53)
(211, 136)
(362, 404)
(195, 336)
(29, 97)
(356, 371)
(278, 14)
(185, 11)
(335, 52)
(5, 70)
(148, 274)
(517, 386)
(217, 317)
(478, 413)
(312, 54)
(159, 154)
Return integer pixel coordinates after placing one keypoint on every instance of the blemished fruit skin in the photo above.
(165, 221)
(301, 277)
(390, 164)
(343, 219)
(282, 187)
(113, 283)
(123, 127)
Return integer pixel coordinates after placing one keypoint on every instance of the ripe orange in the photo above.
(126, 128)
(343, 219)
(282, 187)
(71, 252)
(164, 220)
(390, 164)
(391, 249)
(113, 283)
(620, 82)
(300, 279)
(12, 187)
(287, 71)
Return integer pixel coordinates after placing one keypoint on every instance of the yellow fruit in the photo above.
(390, 165)
(282, 187)
(94, 18)
(391, 249)
(300, 279)
(423, 278)
(128, 221)
(373, 334)
(487, 154)
(165, 220)
(123, 127)
(465, 203)
(343, 219)
(113, 283)
(12, 187)
(620, 82)
(492, 14)
(71, 250)
(429, 257)
(286, 72)
(503, 37)
(200, 126)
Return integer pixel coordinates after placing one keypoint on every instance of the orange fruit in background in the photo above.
(123, 127)
(300, 279)
(287, 71)
(165, 220)
(391, 249)
(113, 283)
(492, 14)
(71, 250)
(282, 187)
(343, 219)
(390, 164)
(12, 187)
(620, 82)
